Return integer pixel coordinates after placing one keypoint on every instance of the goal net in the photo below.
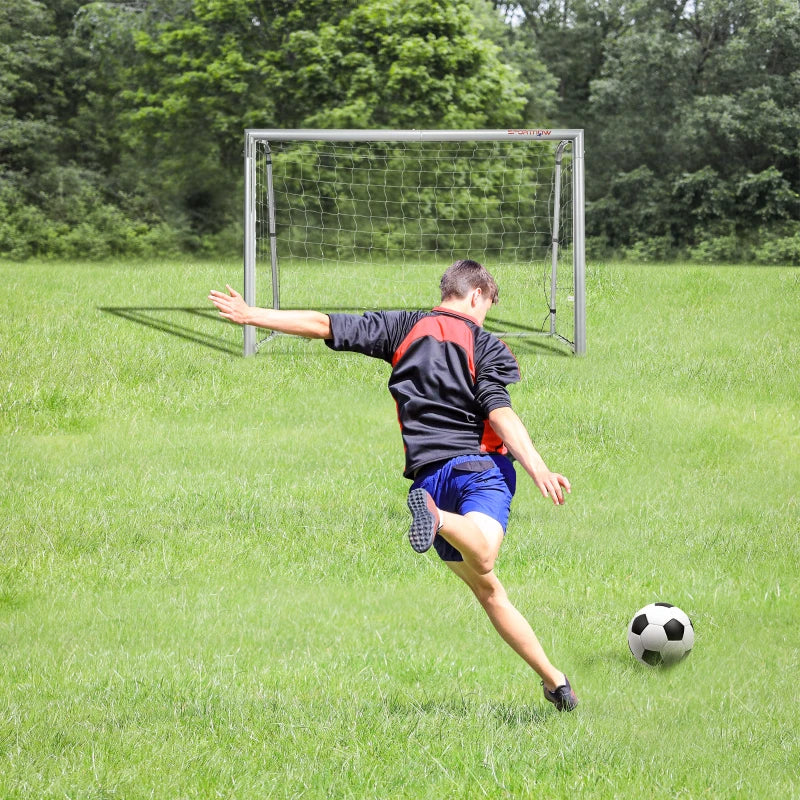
(355, 220)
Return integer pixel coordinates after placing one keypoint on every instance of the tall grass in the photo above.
(205, 589)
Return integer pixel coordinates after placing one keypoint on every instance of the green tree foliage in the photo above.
(121, 121)
(61, 190)
(691, 111)
(415, 63)
(202, 74)
(569, 37)
(231, 64)
(30, 57)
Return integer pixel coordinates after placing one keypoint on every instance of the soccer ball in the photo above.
(660, 634)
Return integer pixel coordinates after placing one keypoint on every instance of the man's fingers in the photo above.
(214, 296)
(232, 293)
(551, 487)
(226, 303)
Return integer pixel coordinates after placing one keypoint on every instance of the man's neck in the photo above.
(463, 307)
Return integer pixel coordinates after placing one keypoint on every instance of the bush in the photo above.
(723, 249)
(778, 245)
(26, 233)
(598, 248)
(227, 242)
(779, 249)
(657, 248)
(632, 210)
(69, 218)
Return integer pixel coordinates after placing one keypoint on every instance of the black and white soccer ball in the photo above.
(660, 633)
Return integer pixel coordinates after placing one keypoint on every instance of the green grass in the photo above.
(205, 590)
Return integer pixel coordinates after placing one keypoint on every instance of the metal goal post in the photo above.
(564, 137)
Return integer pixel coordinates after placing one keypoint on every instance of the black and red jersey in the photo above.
(448, 374)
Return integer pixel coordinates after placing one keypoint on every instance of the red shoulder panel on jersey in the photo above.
(444, 329)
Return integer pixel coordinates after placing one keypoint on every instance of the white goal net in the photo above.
(350, 220)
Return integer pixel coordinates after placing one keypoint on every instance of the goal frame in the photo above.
(563, 136)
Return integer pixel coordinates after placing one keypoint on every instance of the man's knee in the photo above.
(489, 591)
(483, 564)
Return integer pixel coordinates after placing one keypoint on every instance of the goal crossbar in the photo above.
(564, 137)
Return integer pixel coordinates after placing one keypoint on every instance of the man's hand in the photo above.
(311, 324)
(230, 306)
(551, 484)
(512, 431)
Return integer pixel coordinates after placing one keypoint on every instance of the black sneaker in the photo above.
(562, 697)
(424, 520)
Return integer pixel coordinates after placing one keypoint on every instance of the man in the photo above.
(449, 379)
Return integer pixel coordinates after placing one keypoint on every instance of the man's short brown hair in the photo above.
(463, 277)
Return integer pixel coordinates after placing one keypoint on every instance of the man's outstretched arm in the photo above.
(311, 324)
(510, 428)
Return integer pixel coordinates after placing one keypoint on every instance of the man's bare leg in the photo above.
(509, 623)
(476, 536)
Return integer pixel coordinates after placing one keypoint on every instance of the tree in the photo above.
(691, 110)
(33, 94)
(705, 93)
(52, 178)
(229, 64)
(415, 64)
(568, 38)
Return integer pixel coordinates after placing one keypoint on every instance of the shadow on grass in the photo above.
(174, 321)
(520, 337)
(452, 706)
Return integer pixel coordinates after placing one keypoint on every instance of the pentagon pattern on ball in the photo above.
(660, 633)
(639, 624)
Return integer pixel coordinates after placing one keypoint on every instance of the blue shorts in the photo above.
(484, 483)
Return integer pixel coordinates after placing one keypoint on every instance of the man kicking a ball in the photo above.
(449, 379)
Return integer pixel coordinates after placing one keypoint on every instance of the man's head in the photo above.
(463, 278)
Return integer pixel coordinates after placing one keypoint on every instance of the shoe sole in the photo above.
(424, 519)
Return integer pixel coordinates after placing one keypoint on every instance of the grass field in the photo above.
(206, 591)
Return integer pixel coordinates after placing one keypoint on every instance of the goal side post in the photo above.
(249, 238)
(579, 243)
(260, 225)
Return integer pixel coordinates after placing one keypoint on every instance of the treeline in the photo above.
(121, 123)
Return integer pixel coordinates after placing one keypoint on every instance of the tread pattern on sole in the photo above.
(423, 520)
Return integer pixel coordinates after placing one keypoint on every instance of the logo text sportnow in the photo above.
(528, 132)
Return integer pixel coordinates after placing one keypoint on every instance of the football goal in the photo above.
(366, 219)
